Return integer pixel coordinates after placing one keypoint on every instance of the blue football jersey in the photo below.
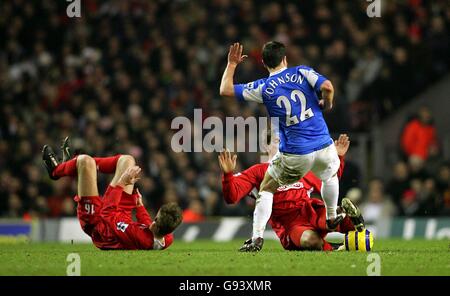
(291, 95)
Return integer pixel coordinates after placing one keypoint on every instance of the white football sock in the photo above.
(261, 215)
(330, 195)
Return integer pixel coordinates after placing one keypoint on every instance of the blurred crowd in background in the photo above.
(115, 78)
(420, 180)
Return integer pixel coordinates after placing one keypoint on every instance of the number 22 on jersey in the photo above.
(296, 96)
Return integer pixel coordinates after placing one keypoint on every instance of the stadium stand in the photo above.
(114, 79)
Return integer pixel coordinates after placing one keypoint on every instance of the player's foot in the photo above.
(50, 160)
(252, 245)
(354, 213)
(333, 223)
(245, 245)
(65, 149)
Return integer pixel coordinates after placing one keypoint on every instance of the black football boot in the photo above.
(65, 149)
(50, 160)
(333, 223)
(354, 213)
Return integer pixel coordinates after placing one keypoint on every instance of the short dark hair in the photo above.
(168, 218)
(273, 53)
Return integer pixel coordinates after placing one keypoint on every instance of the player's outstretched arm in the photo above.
(234, 58)
(227, 161)
(142, 215)
(327, 91)
(236, 187)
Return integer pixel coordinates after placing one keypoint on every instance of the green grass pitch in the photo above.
(398, 257)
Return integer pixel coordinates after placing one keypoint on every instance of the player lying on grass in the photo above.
(298, 220)
(108, 219)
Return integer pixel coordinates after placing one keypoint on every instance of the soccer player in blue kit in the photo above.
(295, 96)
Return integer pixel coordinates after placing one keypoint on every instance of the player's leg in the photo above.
(261, 214)
(283, 170)
(87, 175)
(326, 165)
(82, 166)
(89, 202)
(105, 165)
(55, 169)
(346, 225)
(123, 163)
(264, 200)
(263, 207)
(305, 238)
(88, 199)
(118, 164)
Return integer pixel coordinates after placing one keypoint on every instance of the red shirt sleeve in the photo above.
(111, 201)
(142, 215)
(132, 235)
(235, 187)
(341, 166)
(168, 240)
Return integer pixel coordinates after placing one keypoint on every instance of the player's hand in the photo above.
(130, 176)
(342, 144)
(227, 161)
(324, 105)
(327, 98)
(252, 245)
(139, 202)
(235, 54)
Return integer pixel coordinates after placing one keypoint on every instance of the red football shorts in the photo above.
(291, 224)
(88, 212)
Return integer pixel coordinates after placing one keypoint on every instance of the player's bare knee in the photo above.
(310, 240)
(85, 162)
(126, 161)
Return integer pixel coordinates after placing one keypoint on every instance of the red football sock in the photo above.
(68, 168)
(327, 246)
(346, 225)
(107, 165)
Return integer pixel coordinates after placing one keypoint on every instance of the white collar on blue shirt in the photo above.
(278, 71)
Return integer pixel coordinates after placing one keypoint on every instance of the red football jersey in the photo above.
(285, 200)
(237, 186)
(117, 230)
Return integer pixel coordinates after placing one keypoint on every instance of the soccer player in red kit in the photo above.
(108, 219)
(298, 220)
